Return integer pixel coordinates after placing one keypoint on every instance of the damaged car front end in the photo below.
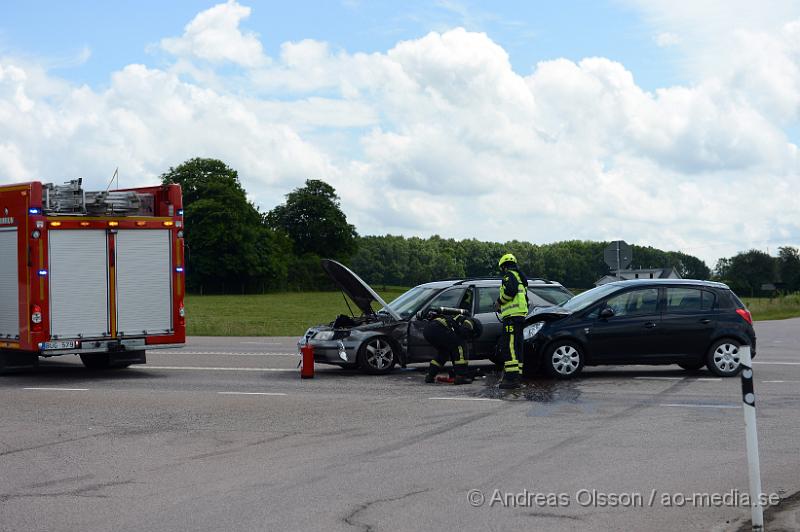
(373, 342)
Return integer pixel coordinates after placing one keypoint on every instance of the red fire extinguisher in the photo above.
(307, 362)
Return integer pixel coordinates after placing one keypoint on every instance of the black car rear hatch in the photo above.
(355, 288)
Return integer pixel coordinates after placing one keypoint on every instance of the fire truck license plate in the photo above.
(63, 344)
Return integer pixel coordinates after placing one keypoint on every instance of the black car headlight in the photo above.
(532, 330)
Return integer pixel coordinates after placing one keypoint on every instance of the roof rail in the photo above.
(470, 279)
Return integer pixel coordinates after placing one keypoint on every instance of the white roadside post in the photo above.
(749, 399)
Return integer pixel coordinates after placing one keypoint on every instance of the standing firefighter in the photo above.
(447, 333)
(513, 306)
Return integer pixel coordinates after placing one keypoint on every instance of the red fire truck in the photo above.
(97, 274)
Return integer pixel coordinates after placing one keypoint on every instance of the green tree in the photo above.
(195, 176)
(230, 249)
(789, 267)
(747, 271)
(314, 221)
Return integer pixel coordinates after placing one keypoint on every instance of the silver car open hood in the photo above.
(355, 288)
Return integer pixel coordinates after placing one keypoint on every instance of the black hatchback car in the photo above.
(667, 321)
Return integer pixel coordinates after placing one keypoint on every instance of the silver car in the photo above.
(377, 340)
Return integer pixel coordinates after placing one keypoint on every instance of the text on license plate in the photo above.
(61, 344)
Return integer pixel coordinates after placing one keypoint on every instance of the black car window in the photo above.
(454, 298)
(635, 302)
(487, 295)
(709, 300)
(684, 300)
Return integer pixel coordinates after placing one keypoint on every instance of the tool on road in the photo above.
(307, 362)
(751, 433)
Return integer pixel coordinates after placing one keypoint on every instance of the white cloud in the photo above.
(214, 35)
(440, 135)
(666, 38)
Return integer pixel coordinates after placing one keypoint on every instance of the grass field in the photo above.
(281, 314)
(778, 308)
(291, 313)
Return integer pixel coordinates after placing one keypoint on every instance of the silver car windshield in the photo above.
(552, 295)
(588, 298)
(410, 302)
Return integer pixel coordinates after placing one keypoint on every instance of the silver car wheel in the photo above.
(379, 354)
(726, 357)
(565, 359)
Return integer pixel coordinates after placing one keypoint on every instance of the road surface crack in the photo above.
(350, 519)
(85, 491)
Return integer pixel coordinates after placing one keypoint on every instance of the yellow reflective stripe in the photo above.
(460, 355)
(435, 363)
(460, 362)
(511, 348)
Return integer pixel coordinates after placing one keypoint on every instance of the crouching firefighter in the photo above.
(513, 307)
(447, 330)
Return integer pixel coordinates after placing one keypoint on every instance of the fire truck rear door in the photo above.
(144, 281)
(78, 283)
(9, 284)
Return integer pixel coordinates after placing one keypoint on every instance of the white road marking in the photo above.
(60, 389)
(463, 399)
(710, 379)
(660, 378)
(788, 382)
(250, 393)
(203, 368)
(690, 405)
(777, 363)
(261, 343)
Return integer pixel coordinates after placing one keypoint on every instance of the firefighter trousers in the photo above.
(449, 346)
(511, 345)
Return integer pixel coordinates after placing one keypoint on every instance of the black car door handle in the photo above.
(650, 325)
(705, 321)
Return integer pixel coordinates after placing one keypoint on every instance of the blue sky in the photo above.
(119, 33)
(671, 123)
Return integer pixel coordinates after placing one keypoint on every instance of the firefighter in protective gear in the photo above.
(513, 307)
(448, 334)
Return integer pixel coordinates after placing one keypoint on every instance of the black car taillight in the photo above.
(745, 314)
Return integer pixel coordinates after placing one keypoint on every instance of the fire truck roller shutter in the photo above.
(78, 283)
(9, 284)
(144, 281)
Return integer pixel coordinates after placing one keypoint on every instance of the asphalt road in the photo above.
(224, 435)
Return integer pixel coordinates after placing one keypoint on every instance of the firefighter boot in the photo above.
(462, 377)
(430, 378)
(510, 380)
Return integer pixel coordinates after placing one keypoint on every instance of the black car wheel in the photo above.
(723, 358)
(692, 366)
(377, 356)
(563, 359)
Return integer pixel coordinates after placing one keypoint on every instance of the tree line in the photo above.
(233, 247)
(756, 273)
(396, 260)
